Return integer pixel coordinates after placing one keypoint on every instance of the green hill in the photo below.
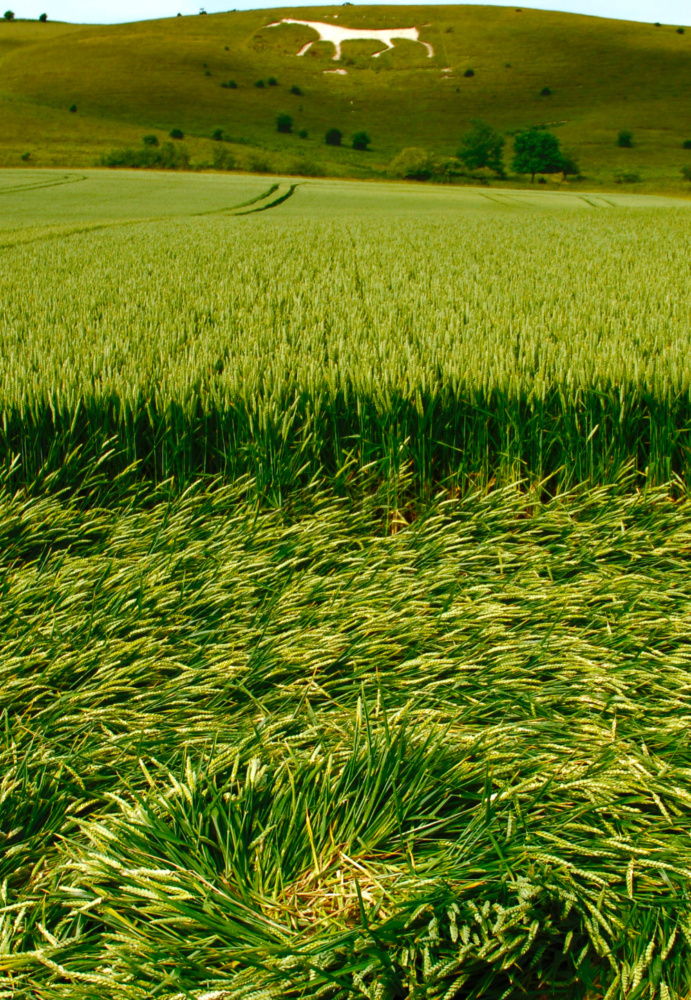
(150, 77)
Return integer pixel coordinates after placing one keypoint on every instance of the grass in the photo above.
(135, 79)
(232, 347)
(292, 752)
(312, 685)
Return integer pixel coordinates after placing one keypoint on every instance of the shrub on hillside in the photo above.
(272, 81)
(177, 133)
(230, 85)
(223, 159)
(334, 137)
(9, 15)
(680, 31)
(43, 18)
(306, 168)
(217, 135)
(625, 138)
(361, 141)
(413, 164)
(546, 92)
(469, 73)
(303, 133)
(165, 157)
(150, 140)
(259, 83)
(482, 146)
(686, 173)
(73, 108)
(284, 123)
(296, 90)
(627, 176)
(686, 144)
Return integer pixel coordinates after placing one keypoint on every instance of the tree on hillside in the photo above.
(537, 151)
(361, 140)
(482, 147)
(334, 137)
(284, 123)
(43, 18)
(9, 15)
(625, 139)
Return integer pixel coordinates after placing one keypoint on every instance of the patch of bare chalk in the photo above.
(337, 34)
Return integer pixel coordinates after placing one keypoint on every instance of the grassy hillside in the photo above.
(153, 76)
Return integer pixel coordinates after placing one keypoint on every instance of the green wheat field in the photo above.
(345, 552)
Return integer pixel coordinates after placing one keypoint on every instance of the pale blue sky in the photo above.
(675, 12)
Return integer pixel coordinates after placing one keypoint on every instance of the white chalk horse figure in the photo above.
(337, 34)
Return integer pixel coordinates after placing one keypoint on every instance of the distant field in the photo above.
(460, 333)
(151, 77)
(345, 546)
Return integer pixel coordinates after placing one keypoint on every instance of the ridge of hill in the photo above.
(154, 76)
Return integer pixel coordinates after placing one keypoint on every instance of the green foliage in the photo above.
(361, 140)
(513, 384)
(546, 92)
(686, 144)
(272, 81)
(627, 176)
(333, 137)
(414, 164)
(296, 90)
(177, 133)
(73, 108)
(469, 72)
(625, 139)
(150, 140)
(217, 135)
(230, 85)
(284, 123)
(164, 157)
(686, 173)
(259, 84)
(482, 146)
(320, 751)
(9, 15)
(303, 133)
(537, 151)
(43, 18)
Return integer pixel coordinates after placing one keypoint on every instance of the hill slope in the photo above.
(153, 76)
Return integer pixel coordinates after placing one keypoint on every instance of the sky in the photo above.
(676, 12)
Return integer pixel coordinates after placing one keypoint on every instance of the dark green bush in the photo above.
(230, 85)
(150, 140)
(272, 81)
(546, 92)
(296, 90)
(73, 108)
(334, 137)
(165, 157)
(177, 133)
(686, 144)
(9, 15)
(686, 173)
(217, 135)
(627, 177)
(469, 73)
(259, 83)
(43, 18)
(303, 133)
(625, 139)
(284, 123)
(361, 141)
